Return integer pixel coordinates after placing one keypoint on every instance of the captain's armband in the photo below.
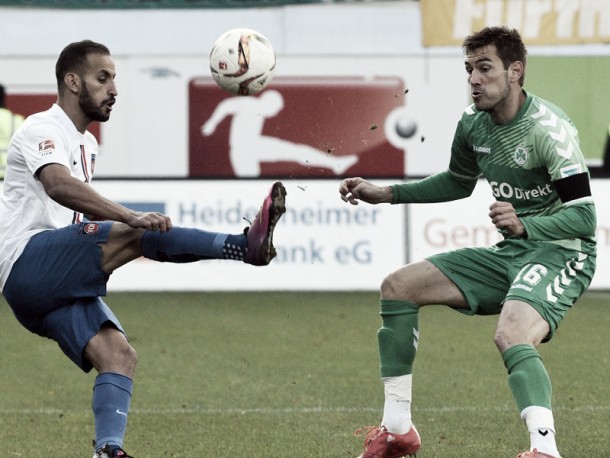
(573, 187)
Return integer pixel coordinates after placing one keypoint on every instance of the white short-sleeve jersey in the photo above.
(49, 137)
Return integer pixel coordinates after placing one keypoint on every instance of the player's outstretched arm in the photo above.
(71, 193)
(353, 190)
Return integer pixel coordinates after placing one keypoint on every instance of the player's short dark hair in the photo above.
(508, 43)
(2, 96)
(73, 58)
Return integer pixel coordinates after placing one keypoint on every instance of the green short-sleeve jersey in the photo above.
(523, 158)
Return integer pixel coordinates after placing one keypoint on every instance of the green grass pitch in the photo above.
(293, 375)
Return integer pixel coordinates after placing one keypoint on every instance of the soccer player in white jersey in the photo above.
(60, 240)
(528, 150)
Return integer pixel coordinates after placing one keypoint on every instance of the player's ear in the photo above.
(73, 82)
(515, 71)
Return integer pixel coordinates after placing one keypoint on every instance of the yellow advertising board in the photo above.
(540, 22)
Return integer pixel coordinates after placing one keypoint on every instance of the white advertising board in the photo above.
(322, 242)
(435, 228)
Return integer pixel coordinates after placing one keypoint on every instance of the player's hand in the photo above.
(504, 217)
(354, 189)
(151, 221)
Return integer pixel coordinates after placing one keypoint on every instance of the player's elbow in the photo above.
(587, 216)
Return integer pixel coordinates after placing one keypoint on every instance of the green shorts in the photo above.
(547, 276)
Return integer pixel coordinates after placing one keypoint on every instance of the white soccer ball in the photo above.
(242, 61)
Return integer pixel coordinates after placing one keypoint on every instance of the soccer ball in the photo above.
(242, 61)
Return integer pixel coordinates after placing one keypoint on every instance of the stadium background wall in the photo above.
(160, 51)
(144, 149)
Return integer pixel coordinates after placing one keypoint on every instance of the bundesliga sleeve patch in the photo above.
(573, 169)
(46, 147)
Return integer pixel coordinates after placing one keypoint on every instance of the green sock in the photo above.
(397, 337)
(527, 379)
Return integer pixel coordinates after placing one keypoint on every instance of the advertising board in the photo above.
(301, 127)
(322, 242)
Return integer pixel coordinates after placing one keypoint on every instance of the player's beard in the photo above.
(94, 111)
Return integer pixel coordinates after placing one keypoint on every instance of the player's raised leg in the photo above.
(181, 244)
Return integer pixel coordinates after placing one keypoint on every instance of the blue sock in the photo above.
(111, 399)
(183, 244)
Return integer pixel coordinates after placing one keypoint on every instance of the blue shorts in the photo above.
(54, 287)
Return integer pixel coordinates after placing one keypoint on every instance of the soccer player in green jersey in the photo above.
(528, 150)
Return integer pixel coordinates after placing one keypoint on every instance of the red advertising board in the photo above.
(28, 104)
(298, 127)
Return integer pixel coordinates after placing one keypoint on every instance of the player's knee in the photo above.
(123, 246)
(501, 340)
(109, 351)
(124, 234)
(389, 287)
(504, 338)
(396, 287)
(123, 359)
(130, 358)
